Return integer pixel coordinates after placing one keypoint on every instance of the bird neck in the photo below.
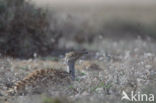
(71, 69)
(71, 66)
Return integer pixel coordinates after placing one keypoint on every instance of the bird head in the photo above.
(74, 56)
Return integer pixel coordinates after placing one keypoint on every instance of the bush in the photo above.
(119, 28)
(25, 29)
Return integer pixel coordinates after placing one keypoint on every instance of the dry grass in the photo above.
(126, 65)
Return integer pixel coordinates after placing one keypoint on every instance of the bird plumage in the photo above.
(39, 77)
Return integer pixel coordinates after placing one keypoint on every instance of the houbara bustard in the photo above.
(50, 74)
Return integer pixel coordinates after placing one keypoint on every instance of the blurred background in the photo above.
(52, 26)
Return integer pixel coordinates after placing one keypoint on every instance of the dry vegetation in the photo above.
(124, 66)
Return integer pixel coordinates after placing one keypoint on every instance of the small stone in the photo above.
(101, 58)
(85, 93)
(99, 90)
(148, 66)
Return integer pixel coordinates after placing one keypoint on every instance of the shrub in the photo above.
(25, 29)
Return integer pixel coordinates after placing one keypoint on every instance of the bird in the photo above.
(51, 74)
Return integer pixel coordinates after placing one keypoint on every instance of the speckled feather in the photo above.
(36, 77)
